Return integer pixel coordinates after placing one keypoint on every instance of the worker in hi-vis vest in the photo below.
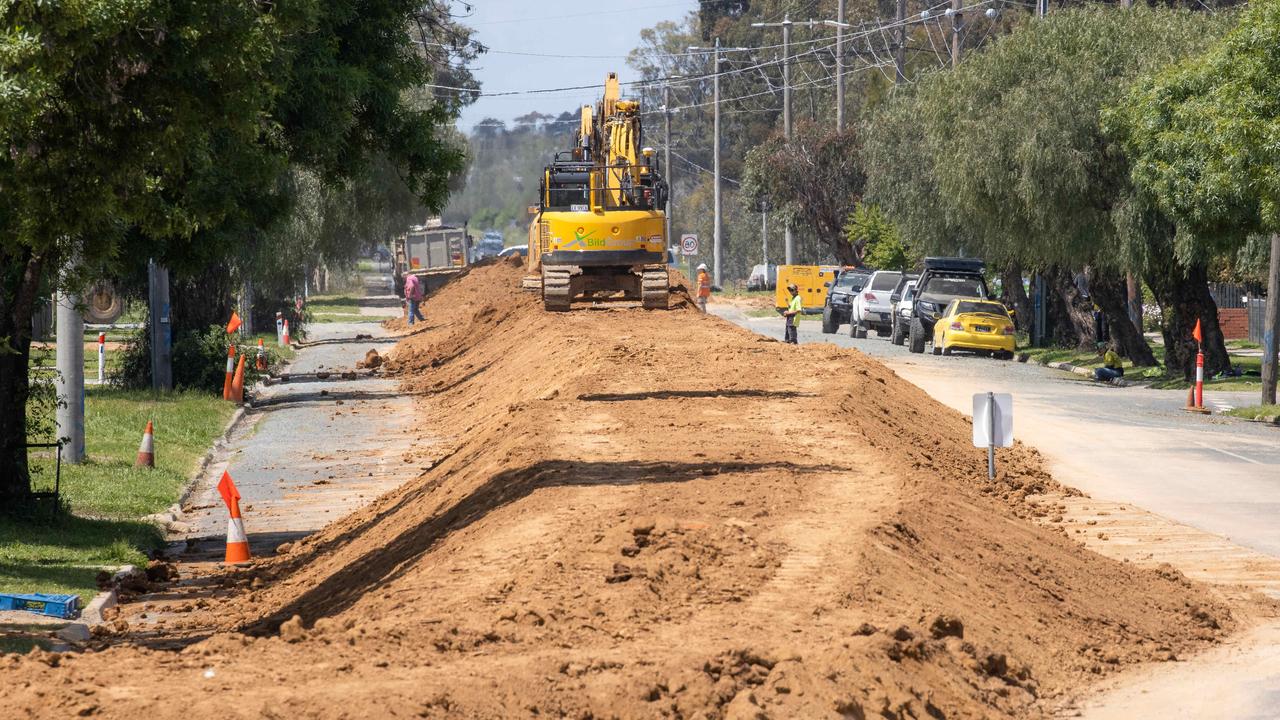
(792, 315)
(704, 286)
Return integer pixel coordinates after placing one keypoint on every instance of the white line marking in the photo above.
(1228, 452)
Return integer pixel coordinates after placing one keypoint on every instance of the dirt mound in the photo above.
(633, 513)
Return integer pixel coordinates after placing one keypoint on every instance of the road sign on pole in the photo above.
(992, 425)
(689, 244)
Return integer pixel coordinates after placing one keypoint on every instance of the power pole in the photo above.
(70, 380)
(900, 52)
(786, 109)
(764, 234)
(840, 25)
(715, 247)
(957, 25)
(666, 156)
(1271, 328)
(161, 328)
(1042, 8)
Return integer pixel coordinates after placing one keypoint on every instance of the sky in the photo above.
(554, 27)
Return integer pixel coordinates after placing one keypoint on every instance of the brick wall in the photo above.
(1234, 322)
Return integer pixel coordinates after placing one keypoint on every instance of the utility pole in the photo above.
(666, 156)
(764, 234)
(957, 25)
(1271, 328)
(900, 52)
(786, 107)
(1042, 8)
(715, 247)
(161, 328)
(70, 381)
(840, 25)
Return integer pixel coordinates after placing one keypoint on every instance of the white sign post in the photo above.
(992, 425)
(689, 244)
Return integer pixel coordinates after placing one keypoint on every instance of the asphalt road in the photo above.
(1218, 474)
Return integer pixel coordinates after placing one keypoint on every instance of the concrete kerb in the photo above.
(1083, 371)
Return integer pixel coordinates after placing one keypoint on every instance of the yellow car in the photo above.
(974, 324)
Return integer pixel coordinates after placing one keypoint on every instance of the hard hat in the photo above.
(702, 266)
(793, 286)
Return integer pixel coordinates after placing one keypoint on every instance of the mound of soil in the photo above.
(628, 513)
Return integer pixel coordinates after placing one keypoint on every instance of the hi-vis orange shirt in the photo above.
(704, 284)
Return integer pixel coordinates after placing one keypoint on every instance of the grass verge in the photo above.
(106, 495)
(1160, 380)
(1256, 412)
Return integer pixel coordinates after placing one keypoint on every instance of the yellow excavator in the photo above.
(598, 229)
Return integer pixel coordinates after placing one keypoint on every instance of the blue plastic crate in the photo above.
(60, 606)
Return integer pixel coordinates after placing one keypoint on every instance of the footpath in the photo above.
(316, 442)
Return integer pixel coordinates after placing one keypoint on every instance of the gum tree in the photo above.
(1011, 161)
(1205, 142)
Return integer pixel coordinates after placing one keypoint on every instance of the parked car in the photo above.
(835, 312)
(871, 307)
(974, 324)
(763, 277)
(943, 280)
(902, 313)
(522, 250)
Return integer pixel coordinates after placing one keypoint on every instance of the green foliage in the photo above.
(816, 179)
(199, 360)
(1006, 157)
(882, 244)
(1202, 136)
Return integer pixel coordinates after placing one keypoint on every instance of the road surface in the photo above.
(1133, 445)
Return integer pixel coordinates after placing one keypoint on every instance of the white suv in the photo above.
(902, 314)
(871, 308)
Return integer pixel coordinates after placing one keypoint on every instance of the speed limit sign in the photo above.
(689, 244)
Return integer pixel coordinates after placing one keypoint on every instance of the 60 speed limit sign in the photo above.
(689, 244)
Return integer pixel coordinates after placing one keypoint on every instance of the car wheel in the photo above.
(828, 322)
(882, 330)
(895, 334)
(945, 350)
(917, 336)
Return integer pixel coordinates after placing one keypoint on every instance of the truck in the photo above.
(598, 231)
(433, 251)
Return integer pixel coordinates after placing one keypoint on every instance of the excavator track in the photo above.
(557, 293)
(654, 287)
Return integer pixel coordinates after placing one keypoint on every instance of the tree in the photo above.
(868, 228)
(1006, 158)
(817, 176)
(102, 105)
(166, 129)
(1203, 141)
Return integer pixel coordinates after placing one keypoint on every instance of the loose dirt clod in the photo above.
(628, 513)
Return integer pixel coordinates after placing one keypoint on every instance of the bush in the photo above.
(199, 361)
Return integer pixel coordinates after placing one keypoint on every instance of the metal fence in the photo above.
(1257, 318)
(1228, 295)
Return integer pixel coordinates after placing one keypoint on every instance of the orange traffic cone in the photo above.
(147, 450)
(262, 356)
(237, 540)
(286, 333)
(237, 382)
(231, 366)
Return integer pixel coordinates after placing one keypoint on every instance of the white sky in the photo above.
(555, 27)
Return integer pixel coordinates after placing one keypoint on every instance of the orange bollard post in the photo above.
(262, 356)
(1200, 378)
(286, 333)
(231, 367)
